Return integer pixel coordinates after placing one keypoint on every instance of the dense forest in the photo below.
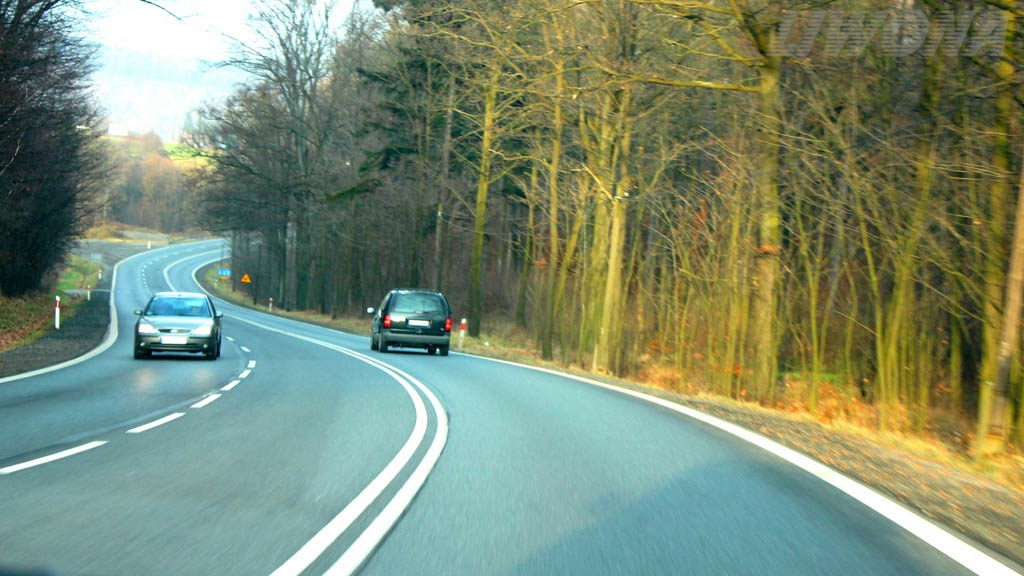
(155, 184)
(809, 206)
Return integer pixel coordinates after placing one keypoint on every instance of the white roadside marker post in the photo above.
(56, 315)
(149, 244)
(270, 307)
(462, 334)
(88, 293)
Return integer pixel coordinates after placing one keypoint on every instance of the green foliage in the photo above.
(78, 273)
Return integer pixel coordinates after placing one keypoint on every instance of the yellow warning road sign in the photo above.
(246, 279)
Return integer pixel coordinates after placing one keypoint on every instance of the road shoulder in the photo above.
(87, 328)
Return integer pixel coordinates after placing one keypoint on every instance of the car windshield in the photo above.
(178, 307)
(417, 304)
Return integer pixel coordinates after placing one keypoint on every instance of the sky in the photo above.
(154, 69)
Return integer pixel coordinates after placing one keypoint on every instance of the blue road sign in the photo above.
(224, 272)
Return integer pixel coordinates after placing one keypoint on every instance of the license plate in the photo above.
(174, 339)
(424, 323)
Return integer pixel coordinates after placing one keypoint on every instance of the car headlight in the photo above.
(146, 328)
(203, 330)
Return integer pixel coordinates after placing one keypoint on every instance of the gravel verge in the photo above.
(83, 331)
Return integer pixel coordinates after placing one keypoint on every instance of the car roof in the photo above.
(179, 295)
(416, 290)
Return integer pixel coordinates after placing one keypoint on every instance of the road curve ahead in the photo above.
(300, 451)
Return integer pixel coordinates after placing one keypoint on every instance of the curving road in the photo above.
(302, 452)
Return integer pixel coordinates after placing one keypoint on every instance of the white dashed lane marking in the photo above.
(155, 423)
(52, 457)
(244, 349)
(206, 401)
(230, 385)
(245, 373)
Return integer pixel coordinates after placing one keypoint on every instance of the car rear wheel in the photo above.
(383, 344)
(444, 350)
(373, 344)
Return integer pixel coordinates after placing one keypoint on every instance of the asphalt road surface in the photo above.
(300, 451)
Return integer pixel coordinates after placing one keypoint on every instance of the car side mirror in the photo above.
(218, 315)
(138, 312)
(370, 310)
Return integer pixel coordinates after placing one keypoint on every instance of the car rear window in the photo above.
(417, 304)
(178, 307)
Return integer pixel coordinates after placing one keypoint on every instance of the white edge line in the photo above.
(934, 535)
(245, 374)
(155, 423)
(963, 553)
(52, 457)
(252, 363)
(206, 401)
(108, 341)
(230, 385)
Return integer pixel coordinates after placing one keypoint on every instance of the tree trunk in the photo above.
(611, 312)
(989, 410)
(767, 265)
(994, 409)
(446, 152)
(606, 342)
(548, 315)
(527, 264)
(480, 214)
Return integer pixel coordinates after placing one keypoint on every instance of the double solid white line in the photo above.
(372, 536)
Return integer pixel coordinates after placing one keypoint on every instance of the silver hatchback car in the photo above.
(178, 322)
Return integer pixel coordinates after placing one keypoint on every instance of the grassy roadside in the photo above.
(25, 319)
(503, 340)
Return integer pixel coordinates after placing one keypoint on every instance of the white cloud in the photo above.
(154, 69)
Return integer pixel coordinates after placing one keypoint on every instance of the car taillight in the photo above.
(387, 320)
(448, 324)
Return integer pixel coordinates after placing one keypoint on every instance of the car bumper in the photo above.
(192, 344)
(416, 340)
